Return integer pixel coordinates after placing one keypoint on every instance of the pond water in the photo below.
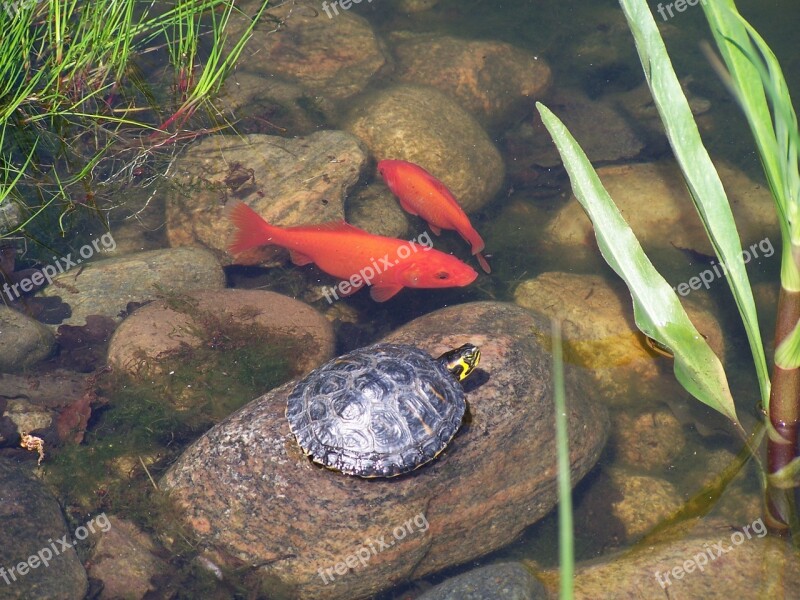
(152, 335)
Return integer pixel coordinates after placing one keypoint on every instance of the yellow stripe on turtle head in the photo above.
(462, 361)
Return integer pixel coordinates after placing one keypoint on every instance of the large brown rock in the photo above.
(654, 201)
(287, 181)
(253, 498)
(427, 127)
(146, 341)
(333, 56)
(493, 80)
(600, 334)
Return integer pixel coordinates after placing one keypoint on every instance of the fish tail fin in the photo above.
(252, 230)
(476, 241)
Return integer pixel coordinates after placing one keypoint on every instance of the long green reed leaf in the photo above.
(701, 176)
(657, 311)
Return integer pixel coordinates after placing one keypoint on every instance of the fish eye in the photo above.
(442, 275)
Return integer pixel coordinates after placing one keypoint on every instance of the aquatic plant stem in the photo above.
(782, 445)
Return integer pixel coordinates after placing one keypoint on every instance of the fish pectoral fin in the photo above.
(482, 262)
(299, 258)
(381, 293)
(436, 230)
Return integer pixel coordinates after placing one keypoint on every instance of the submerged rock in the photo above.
(425, 126)
(415, 6)
(332, 55)
(653, 199)
(718, 561)
(618, 507)
(505, 581)
(37, 553)
(495, 81)
(10, 215)
(25, 341)
(253, 498)
(124, 559)
(600, 334)
(153, 339)
(106, 287)
(272, 105)
(293, 181)
(375, 209)
(649, 441)
(602, 132)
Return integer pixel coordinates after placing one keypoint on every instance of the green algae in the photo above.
(147, 422)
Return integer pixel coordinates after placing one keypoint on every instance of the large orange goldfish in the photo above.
(420, 193)
(361, 258)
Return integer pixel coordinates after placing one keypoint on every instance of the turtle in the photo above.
(382, 410)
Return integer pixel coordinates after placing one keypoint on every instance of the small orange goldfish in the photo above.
(420, 193)
(361, 258)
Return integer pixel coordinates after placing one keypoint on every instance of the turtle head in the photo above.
(461, 361)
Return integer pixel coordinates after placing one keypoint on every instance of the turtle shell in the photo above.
(378, 411)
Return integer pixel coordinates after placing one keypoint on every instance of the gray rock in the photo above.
(25, 341)
(427, 127)
(252, 496)
(105, 287)
(10, 215)
(505, 581)
(288, 181)
(31, 530)
(26, 416)
(494, 81)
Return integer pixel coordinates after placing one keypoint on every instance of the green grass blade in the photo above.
(566, 537)
(701, 176)
(735, 40)
(657, 310)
